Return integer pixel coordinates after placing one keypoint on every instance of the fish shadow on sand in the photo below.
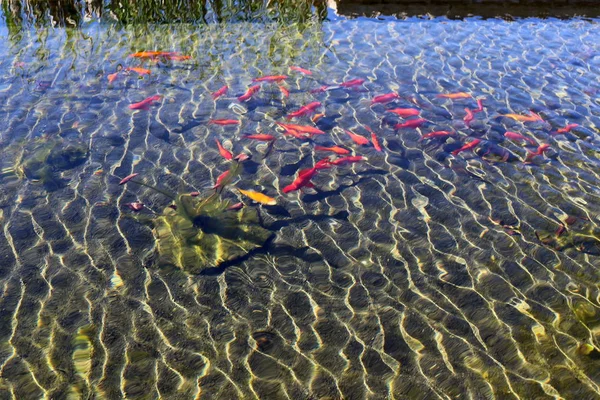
(302, 253)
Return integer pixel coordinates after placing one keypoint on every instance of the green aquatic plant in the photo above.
(44, 160)
(195, 233)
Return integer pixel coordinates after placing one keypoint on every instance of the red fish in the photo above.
(112, 77)
(384, 98)
(271, 78)
(566, 128)
(220, 179)
(436, 134)
(241, 157)
(145, 104)
(469, 146)
(405, 112)
(301, 128)
(303, 180)
(226, 154)
(411, 123)
(336, 149)
(284, 91)
(347, 160)
(141, 71)
(251, 90)
(298, 69)
(136, 206)
(317, 117)
(517, 136)
(353, 82)
(469, 117)
(297, 135)
(360, 140)
(127, 179)
(479, 106)
(261, 136)
(224, 122)
(320, 89)
(220, 92)
(195, 194)
(307, 109)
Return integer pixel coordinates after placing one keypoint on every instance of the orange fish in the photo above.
(226, 154)
(454, 96)
(251, 90)
(375, 142)
(303, 179)
(128, 178)
(112, 77)
(336, 149)
(360, 140)
(298, 69)
(270, 78)
(224, 121)
(145, 104)
(532, 117)
(297, 135)
(153, 54)
(405, 112)
(141, 71)
(301, 128)
(261, 136)
(259, 197)
(317, 117)
(284, 91)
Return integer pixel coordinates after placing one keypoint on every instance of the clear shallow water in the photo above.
(414, 274)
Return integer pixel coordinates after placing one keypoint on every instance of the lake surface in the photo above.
(425, 271)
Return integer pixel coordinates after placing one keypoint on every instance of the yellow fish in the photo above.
(259, 197)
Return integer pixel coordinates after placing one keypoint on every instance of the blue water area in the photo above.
(455, 255)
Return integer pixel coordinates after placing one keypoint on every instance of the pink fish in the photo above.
(518, 137)
(236, 206)
(261, 136)
(145, 104)
(479, 106)
(251, 90)
(411, 123)
(469, 146)
(128, 178)
(302, 70)
(135, 206)
(469, 117)
(384, 98)
(352, 82)
(220, 92)
(321, 89)
(307, 109)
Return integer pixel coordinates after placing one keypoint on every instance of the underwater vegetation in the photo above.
(195, 233)
(44, 160)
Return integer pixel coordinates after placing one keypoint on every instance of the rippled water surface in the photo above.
(413, 274)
